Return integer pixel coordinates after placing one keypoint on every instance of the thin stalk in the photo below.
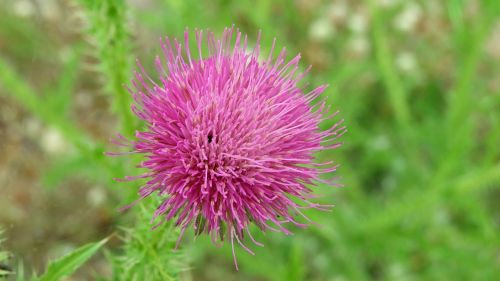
(107, 25)
(395, 89)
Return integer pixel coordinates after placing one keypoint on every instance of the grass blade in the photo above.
(68, 264)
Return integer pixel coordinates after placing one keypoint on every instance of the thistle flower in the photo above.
(230, 138)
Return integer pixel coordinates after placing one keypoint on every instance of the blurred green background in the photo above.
(418, 83)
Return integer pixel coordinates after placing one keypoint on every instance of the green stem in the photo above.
(395, 89)
(107, 19)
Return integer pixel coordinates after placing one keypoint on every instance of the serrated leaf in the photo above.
(68, 264)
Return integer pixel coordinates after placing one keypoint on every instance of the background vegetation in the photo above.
(417, 82)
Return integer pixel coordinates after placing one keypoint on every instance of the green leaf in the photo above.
(20, 272)
(295, 269)
(59, 95)
(3, 256)
(68, 264)
(70, 166)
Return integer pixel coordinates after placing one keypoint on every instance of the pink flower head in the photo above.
(230, 137)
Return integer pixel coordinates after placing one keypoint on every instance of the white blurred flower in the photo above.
(23, 8)
(321, 29)
(408, 18)
(96, 196)
(53, 142)
(358, 23)
(406, 62)
(50, 9)
(359, 45)
(387, 3)
(398, 272)
(337, 11)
